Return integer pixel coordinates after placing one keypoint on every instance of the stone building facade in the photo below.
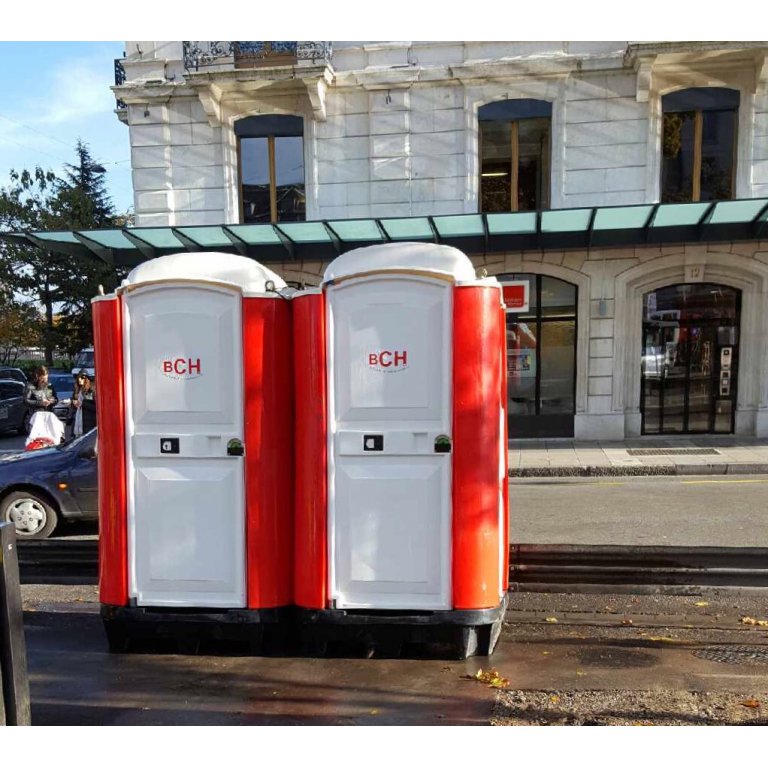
(396, 130)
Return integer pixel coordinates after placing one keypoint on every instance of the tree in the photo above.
(19, 327)
(63, 285)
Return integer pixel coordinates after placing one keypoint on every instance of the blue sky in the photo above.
(53, 93)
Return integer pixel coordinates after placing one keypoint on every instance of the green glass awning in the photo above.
(475, 234)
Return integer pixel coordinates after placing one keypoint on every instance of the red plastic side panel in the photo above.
(110, 411)
(505, 454)
(311, 541)
(268, 391)
(476, 440)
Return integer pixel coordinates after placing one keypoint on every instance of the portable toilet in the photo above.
(195, 420)
(401, 511)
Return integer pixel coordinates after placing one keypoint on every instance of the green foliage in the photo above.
(20, 325)
(63, 285)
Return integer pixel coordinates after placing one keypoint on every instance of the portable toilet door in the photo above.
(390, 400)
(199, 530)
(404, 501)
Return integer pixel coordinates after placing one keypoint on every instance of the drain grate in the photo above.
(673, 452)
(734, 654)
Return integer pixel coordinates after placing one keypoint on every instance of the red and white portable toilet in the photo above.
(195, 419)
(401, 458)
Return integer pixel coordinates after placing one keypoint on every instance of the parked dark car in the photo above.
(64, 384)
(14, 415)
(13, 373)
(38, 488)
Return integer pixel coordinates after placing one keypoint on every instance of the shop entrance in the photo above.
(541, 358)
(690, 359)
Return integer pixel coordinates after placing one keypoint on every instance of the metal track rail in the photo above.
(533, 567)
(598, 568)
(59, 561)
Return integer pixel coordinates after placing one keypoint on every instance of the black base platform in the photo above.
(441, 634)
(190, 630)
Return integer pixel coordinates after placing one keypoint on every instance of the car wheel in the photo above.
(32, 516)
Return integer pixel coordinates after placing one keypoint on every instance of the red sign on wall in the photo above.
(516, 296)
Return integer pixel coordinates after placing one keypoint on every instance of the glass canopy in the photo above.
(474, 233)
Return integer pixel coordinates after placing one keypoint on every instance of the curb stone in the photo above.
(640, 470)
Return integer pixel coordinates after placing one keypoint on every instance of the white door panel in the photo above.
(185, 403)
(186, 553)
(392, 547)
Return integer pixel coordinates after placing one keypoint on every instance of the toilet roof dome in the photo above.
(402, 257)
(206, 266)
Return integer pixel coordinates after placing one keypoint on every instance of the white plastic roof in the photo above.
(402, 257)
(209, 266)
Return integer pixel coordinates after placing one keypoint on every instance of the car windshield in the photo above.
(61, 382)
(89, 438)
(85, 360)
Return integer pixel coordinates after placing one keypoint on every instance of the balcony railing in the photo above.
(119, 80)
(254, 53)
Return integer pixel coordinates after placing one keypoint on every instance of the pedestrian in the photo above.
(39, 394)
(75, 416)
(85, 417)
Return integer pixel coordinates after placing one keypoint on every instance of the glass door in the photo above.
(541, 360)
(689, 360)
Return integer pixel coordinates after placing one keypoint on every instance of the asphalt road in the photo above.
(652, 511)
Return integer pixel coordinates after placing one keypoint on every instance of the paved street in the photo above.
(610, 645)
(674, 511)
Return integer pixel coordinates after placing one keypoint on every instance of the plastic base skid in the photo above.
(392, 633)
(191, 630)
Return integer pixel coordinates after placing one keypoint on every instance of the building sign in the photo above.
(516, 295)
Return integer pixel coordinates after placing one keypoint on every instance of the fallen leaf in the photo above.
(580, 673)
(754, 622)
(751, 703)
(701, 604)
(374, 712)
(551, 620)
(491, 678)
(662, 639)
(554, 699)
(545, 653)
(626, 621)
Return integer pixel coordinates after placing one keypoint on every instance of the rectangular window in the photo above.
(271, 170)
(699, 145)
(514, 165)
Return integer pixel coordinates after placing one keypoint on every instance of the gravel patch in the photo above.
(623, 707)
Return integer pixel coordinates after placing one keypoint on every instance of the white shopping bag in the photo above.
(45, 428)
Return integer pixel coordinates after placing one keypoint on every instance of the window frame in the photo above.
(273, 121)
(698, 136)
(513, 112)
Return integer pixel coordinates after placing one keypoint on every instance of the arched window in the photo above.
(699, 145)
(541, 358)
(271, 167)
(514, 155)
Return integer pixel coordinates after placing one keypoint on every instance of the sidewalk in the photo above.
(684, 455)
